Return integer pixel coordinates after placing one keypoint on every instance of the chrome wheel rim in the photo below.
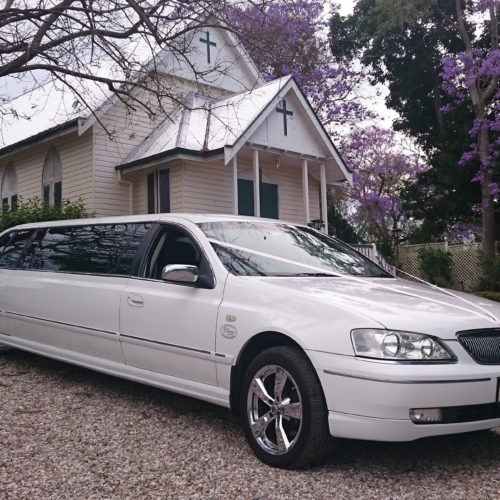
(275, 409)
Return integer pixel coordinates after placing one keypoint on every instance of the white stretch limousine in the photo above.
(300, 334)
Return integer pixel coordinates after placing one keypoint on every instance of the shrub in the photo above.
(36, 210)
(436, 265)
(490, 274)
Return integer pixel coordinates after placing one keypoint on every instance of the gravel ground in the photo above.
(67, 432)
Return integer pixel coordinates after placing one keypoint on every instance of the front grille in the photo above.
(482, 345)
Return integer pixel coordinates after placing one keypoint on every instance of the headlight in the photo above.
(398, 346)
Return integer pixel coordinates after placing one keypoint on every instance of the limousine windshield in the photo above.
(274, 249)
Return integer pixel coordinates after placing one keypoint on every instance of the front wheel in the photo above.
(283, 409)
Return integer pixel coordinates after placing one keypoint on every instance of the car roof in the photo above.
(164, 217)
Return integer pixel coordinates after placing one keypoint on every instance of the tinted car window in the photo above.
(96, 249)
(254, 248)
(13, 247)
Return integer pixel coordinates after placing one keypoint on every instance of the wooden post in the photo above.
(305, 191)
(235, 186)
(324, 203)
(256, 183)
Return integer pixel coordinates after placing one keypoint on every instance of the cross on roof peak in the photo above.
(209, 44)
(286, 112)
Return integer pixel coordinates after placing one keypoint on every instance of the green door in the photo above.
(268, 199)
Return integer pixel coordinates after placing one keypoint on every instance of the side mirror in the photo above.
(180, 273)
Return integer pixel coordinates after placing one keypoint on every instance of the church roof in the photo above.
(206, 127)
(48, 104)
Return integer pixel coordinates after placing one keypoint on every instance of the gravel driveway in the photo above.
(67, 432)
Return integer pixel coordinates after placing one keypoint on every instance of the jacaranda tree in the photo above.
(293, 39)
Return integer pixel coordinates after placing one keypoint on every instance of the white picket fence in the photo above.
(370, 250)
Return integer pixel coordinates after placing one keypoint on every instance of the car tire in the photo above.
(284, 413)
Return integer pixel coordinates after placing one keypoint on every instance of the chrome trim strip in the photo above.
(72, 325)
(392, 381)
(166, 344)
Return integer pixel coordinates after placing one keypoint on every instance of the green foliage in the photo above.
(36, 210)
(489, 295)
(402, 43)
(490, 276)
(436, 265)
(339, 227)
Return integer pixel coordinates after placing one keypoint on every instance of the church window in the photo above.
(9, 188)
(52, 178)
(158, 191)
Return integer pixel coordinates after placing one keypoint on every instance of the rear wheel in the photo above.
(283, 410)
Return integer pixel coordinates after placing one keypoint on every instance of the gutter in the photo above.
(166, 154)
(50, 133)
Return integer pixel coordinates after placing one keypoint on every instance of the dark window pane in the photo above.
(4, 240)
(46, 193)
(137, 233)
(245, 197)
(5, 204)
(13, 250)
(164, 190)
(57, 194)
(13, 201)
(151, 194)
(100, 249)
(269, 200)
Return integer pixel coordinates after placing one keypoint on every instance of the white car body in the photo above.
(189, 339)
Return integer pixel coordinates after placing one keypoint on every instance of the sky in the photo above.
(35, 103)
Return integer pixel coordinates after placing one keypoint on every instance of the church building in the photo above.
(231, 144)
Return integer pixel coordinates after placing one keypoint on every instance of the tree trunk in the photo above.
(487, 199)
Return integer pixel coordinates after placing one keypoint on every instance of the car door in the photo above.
(12, 245)
(168, 327)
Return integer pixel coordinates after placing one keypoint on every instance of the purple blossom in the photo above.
(296, 31)
(380, 171)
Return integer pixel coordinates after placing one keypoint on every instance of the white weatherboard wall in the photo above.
(208, 187)
(227, 69)
(113, 140)
(301, 138)
(75, 153)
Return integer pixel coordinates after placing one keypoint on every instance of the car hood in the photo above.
(396, 303)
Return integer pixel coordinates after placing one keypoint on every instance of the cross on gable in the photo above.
(209, 43)
(286, 112)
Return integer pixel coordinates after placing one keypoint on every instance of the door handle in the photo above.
(135, 300)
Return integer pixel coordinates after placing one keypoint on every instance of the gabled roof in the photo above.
(51, 105)
(207, 127)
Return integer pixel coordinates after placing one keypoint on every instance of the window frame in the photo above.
(158, 191)
(52, 175)
(206, 270)
(10, 193)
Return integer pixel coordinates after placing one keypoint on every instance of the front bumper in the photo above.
(371, 399)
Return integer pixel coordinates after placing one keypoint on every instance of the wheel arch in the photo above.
(254, 346)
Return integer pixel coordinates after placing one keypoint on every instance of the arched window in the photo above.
(52, 178)
(9, 188)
